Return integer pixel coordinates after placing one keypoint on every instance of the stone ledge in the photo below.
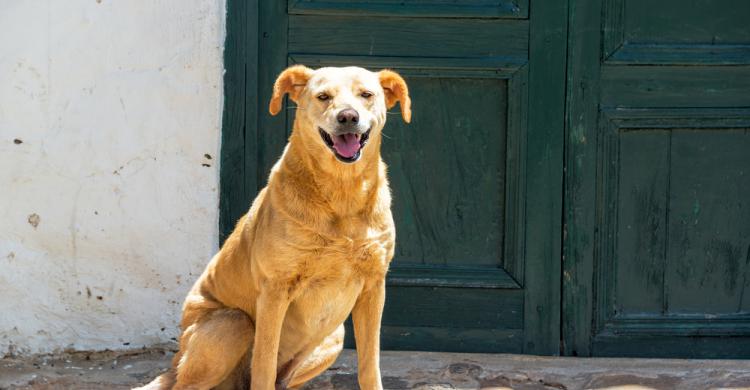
(402, 370)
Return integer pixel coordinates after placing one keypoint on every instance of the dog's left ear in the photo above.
(395, 91)
(291, 81)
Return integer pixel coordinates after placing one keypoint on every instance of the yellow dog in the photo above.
(314, 247)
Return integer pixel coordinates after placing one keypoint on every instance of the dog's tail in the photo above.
(164, 381)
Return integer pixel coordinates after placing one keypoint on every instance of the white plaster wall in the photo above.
(107, 213)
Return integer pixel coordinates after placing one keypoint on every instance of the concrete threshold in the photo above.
(402, 370)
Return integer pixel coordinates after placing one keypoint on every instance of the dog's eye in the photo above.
(323, 97)
(366, 94)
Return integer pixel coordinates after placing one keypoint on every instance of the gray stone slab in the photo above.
(403, 370)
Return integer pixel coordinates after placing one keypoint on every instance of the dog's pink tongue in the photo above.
(346, 145)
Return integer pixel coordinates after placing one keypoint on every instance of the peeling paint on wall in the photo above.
(109, 115)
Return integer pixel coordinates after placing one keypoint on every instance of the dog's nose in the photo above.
(348, 115)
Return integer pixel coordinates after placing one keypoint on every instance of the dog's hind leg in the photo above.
(320, 359)
(211, 348)
(164, 381)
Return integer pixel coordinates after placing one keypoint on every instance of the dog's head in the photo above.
(341, 109)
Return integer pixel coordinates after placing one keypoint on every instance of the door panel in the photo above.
(460, 277)
(674, 32)
(418, 8)
(680, 219)
(454, 170)
(658, 222)
(452, 319)
(711, 22)
(709, 223)
(443, 218)
(412, 37)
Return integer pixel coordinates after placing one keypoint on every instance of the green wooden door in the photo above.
(657, 249)
(476, 176)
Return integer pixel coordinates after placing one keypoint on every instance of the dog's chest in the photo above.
(336, 275)
(324, 304)
(344, 254)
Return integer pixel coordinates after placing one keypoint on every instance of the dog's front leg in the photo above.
(366, 316)
(269, 317)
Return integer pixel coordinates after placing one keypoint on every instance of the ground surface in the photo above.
(404, 370)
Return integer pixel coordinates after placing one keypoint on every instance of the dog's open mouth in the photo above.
(346, 147)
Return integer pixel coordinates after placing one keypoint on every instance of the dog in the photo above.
(315, 246)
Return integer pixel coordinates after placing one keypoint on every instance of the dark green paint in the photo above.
(582, 86)
(240, 113)
(675, 86)
(698, 22)
(415, 338)
(544, 177)
(272, 130)
(657, 214)
(641, 226)
(656, 218)
(440, 307)
(668, 346)
(513, 9)
(444, 218)
(450, 276)
(399, 37)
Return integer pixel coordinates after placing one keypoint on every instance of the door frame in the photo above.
(580, 177)
(545, 143)
(244, 164)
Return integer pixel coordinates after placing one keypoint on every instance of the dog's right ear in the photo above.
(291, 81)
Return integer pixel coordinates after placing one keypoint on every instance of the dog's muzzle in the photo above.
(347, 147)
